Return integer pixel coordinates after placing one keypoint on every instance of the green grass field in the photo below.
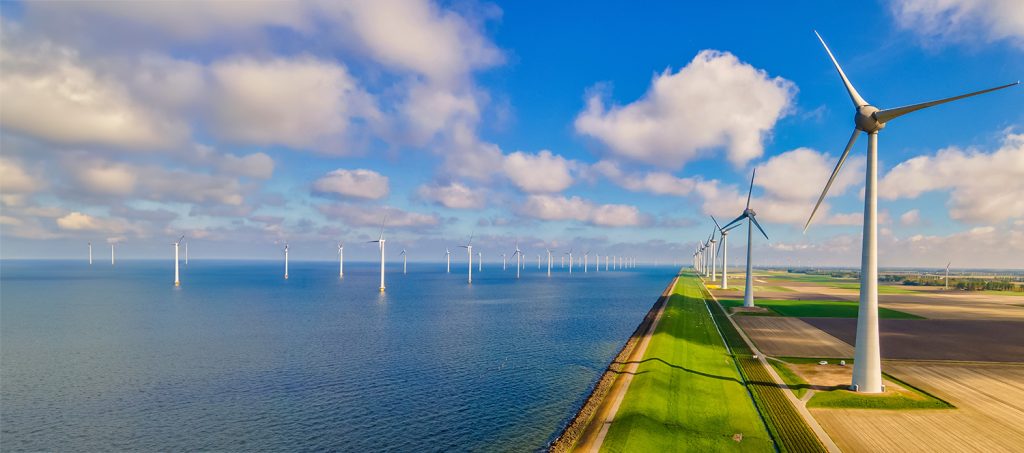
(845, 399)
(882, 289)
(817, 308)
(687, 394)
(795, 382)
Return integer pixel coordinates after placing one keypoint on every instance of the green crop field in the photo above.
(882, 289)
(687, 394)
(795, 382)
(817, 308)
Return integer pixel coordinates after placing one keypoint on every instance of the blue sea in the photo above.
(101, 357)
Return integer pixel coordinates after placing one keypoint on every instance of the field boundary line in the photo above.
(801, 408)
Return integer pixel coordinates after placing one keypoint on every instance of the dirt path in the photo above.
(596, 430)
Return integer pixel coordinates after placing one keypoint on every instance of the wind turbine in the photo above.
(585, 259)
(570, 261)
(186, 253)
(90, 253)
(538, 261)
(946, 283)
(177, 281)
(448, 258)
(549, 262)
(405, 261)
(750, 215)
(725, 251)
(469, 250)
(519, 257)
(380, 240)
(286, 261)
(341, 260)
(111, 253)
(867, 369)
(480, 261)
(714, 256)
(504, 262)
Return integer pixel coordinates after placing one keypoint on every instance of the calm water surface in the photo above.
(116, 358)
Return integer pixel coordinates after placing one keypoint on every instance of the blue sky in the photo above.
(598, 126)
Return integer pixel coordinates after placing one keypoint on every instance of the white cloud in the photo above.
(801, 174)
(984, 187)
(541, 172)
(548, 207)
(302, 102)
(715, 101)
(910, 218)
(157, 183)
(660, 183)
(77, 221)
(358, 183)
(50, 94)
(962, 20)
(364, 216)
(14, 179)
(454, 196)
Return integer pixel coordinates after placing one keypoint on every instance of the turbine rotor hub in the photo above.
(865, 120)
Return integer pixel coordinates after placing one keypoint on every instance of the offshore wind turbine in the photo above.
(549, 262)
(90, 253)
(750, 215)
(538, 261)
(111, 253)
(448, 258)
(518, 258)
(480, 261)
(469, 250)
(570, 261)
(286, 261)
(405, 261)
(186, 253)
(177, 281)
(380, 241)
(725, 251)
(341, 260)
(504, 262)
(867, 369)
(585, 258)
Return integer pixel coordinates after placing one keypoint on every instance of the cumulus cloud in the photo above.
(77, 221)
(454, 195)
(301, 102)
(358, 183)
(660, 183)
(983, 187)
(548, 207)
(255, 165)
(358, 215)
(14, 179)
(962, 20)
(50, 94)
(541, 172)
(910, 218)
(714, 101)
(104, 178)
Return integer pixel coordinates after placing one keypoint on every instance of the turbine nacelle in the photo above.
(866, 120)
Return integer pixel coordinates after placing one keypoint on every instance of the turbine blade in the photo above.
(716, 223)
(751, 190)
(741, 217)
(758, 225)
(854, 95)
(831, 179)
(887, 115)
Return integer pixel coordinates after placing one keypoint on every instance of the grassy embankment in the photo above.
(817, 308)
(687, 394)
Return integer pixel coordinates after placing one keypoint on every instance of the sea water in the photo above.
(101, 357)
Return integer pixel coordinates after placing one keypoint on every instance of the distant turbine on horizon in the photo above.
(380, 241)
(725, 251)
(448, 258)
(177, 281)
(286, 261)
(469, 251)
(867, 365)
(90, 253)
(405, 261)
(750, 215)
(341, 259)
(519, 258)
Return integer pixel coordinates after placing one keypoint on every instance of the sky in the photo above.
(609, 127)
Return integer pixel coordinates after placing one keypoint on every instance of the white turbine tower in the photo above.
(177, 281)
(380, 241)
(538, 261)
(286, 261)
(469, 250)
(504, 262)
(724, 246)
(586, 256)
(111, 253)
(946, 279)
(750, 215)
(480, 261)
(518, 258)
(405, 261)
(448, 258)
(186, 253)
(570, 261)
(549, 262)
(867, 369)
(90, 253)
(341, 260)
